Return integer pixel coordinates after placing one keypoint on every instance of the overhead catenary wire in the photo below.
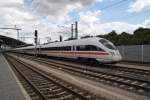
(133, 15)
(130, 15)
(36, 5)
(103, 8)
(113, 4)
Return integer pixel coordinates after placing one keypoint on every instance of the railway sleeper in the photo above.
(51, 96)
(67, 97)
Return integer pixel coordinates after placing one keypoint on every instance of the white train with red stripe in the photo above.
(93, 48)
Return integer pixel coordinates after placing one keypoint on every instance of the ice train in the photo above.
(93, 48)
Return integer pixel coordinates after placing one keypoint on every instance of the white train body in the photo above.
(96, 48)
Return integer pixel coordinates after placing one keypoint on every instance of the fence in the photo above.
(135, 53)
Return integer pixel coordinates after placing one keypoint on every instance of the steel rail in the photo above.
(101, 75)
(81, 97)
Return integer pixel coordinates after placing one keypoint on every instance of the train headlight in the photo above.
(112, 53)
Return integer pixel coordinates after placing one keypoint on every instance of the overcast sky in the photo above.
(94, 17)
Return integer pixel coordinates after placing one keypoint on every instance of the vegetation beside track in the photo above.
(139, 37)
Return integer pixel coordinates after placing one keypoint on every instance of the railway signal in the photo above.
(60, 38)
(36, 37)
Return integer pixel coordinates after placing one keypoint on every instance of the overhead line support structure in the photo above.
(17, 29)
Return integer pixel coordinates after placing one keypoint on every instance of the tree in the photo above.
(142, 35)
(139, 36)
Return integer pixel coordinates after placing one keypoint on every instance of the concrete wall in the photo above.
(137, 53)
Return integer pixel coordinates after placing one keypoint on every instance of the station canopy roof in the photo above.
(11, 41)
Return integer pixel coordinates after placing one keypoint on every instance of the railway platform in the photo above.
(10, 89)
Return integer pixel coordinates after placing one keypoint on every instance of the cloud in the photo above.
(59, 9)
(46, 15)
(119, 27)
(13, 12)
(90, 23)
(99, 0)
(147, 23)
(139, 5)
(104, 28)
(88, 20)
(90, 17)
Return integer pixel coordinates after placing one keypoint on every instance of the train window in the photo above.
(99, 49)
(65, 48)
(81, 48)
(91, 48)
(50, 48)
(88, 48)
(68, 48)
(107, 44)
(103, 41)
(53, 48)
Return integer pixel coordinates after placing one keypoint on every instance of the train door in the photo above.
(73, 51)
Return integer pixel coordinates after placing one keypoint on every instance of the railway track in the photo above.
(123, 70)
(42, 86)
(124, 81)
(127, 81)
(131, 72)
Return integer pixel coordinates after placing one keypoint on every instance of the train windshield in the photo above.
(107, 44)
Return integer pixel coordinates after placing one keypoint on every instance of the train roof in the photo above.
(66, 43)
(72, 42)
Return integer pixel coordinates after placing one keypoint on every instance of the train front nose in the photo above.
(116, 56)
